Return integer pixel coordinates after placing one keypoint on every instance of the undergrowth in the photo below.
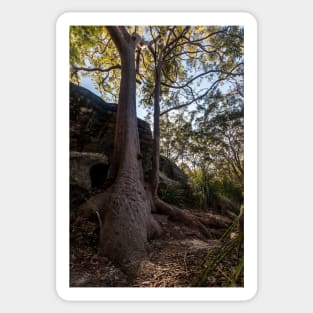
(227, 247)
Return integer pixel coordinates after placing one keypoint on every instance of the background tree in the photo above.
(195, 77)
(201, 49)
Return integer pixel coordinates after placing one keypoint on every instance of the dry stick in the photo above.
(185, 255)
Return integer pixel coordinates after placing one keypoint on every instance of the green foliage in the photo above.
(200, 186)
(185, 52)
(212, 193)
(225, 194)
(201, 99)
(92, 52)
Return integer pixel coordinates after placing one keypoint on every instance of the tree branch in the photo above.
(124, 32)
(231, 73)
(96, 69)
(118, 36)
(195, 99)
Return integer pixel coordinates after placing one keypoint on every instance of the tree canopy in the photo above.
(190, 78)
(201, 91)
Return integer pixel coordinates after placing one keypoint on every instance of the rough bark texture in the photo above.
(128, 222)
(125, 207)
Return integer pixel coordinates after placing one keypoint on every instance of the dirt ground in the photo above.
(174, 259)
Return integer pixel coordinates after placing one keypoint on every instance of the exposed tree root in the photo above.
(114, 232)
(214, 222)
(204, 225)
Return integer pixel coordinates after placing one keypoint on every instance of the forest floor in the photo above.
(174, 258)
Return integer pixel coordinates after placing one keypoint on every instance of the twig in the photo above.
(185, 256)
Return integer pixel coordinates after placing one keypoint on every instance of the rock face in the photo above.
(171, 170)
(88, 169)
(92, 128)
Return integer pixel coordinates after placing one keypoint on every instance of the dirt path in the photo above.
(173, 263)
(173, 258)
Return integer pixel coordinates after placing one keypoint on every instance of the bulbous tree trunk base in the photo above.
(127, 226)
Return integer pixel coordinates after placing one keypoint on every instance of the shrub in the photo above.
(219, 194)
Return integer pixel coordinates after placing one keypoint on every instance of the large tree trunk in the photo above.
(127, 222)
(158, 205)
(156, 132)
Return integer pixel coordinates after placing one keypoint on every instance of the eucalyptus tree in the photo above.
(181, 58)
(180, 67)
(126, 211)
(216, 85)
(225, 131)
(209, 91)
(164, 41)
